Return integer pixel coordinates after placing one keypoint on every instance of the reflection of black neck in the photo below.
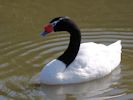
(71, 52)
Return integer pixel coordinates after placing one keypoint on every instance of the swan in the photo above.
(80, 62)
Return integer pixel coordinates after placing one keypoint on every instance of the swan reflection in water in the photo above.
(82, 91)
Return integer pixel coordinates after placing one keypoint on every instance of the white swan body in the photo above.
(80, 62)
(92, 61)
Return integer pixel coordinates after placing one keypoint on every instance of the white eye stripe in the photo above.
(55, 22)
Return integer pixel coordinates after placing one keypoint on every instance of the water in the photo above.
(24, 53)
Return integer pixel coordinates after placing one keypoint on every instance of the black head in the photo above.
(59, 24)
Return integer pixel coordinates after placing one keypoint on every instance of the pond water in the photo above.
(24, 53)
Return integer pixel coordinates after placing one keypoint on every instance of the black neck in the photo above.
(71, 52)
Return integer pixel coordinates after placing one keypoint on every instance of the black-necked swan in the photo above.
(80, 62)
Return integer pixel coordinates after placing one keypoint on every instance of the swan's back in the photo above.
(95, 60)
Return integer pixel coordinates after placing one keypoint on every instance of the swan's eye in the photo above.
(54, 23)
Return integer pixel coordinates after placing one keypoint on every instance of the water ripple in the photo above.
(22, 59)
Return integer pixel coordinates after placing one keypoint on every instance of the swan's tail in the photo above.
(116, 46)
